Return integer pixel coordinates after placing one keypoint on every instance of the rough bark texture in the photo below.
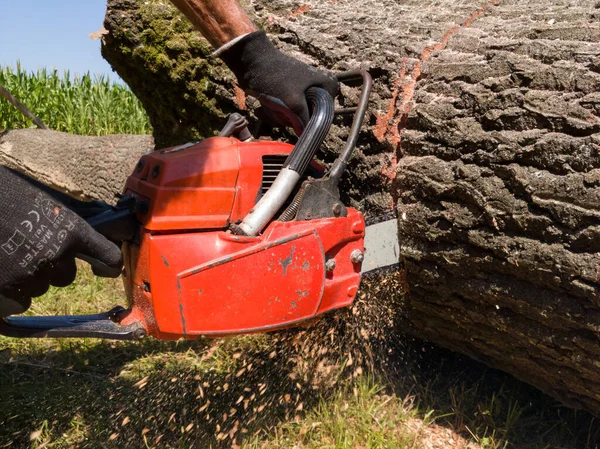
(167, 64)
(85, 167)
(483, 133)
(499, 196)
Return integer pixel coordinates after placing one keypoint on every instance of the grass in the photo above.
(361, 416)
(263, 391)
(83, 105)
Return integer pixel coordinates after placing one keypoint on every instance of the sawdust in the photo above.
(353, 341)
(433, 436)
(288, 372)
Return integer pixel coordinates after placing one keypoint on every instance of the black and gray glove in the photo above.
(39, 240)
(278, 81)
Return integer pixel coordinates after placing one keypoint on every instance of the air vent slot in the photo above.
(272, 165)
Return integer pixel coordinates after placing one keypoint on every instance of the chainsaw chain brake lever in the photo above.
(236, 126)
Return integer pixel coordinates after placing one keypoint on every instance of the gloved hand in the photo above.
(278, 81)
(39, 240)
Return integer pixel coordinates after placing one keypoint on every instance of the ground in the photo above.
(344, 383)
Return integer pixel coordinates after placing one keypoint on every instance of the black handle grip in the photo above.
(315, 131)
(359, 113)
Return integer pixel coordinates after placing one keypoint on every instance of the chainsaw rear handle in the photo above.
(294, 166)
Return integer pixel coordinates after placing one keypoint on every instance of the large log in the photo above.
(86, 167)
(486, 124)
(483, 134)
(167, 64)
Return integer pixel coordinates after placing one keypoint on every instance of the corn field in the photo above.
(74, 104)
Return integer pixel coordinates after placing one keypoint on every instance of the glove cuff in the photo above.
(228, 45)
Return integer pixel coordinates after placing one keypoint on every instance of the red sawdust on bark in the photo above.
(382, 127)
(303, 8)
(239, 97)
(299, 11)
(388, 126)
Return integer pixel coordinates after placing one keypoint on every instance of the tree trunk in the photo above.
(83, 166)
(167, 64)
(483, 133)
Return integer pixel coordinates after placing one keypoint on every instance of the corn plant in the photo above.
(74, 104)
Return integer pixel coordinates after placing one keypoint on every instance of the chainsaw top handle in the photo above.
(304, 152)
(322, 106)
(317, 128)
(359, 110)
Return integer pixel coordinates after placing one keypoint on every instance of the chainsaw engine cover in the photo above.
(187, 275)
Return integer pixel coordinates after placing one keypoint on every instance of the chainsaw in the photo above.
(233, 235)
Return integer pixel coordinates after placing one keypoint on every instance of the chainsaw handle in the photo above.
(305, 149)
(294, 166)
(341, 162)
(317, 128)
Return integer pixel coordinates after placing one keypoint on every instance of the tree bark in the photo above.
(167, 64)
(86, 167)
(483, 134)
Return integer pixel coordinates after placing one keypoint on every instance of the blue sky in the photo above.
(53, 33)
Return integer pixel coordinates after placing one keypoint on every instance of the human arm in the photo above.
(278, 81)
(219, 21)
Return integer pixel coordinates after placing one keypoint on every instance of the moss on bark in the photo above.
(167, 64)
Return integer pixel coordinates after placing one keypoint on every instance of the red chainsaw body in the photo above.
(187, 275)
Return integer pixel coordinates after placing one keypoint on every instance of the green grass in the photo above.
(262, 391)
(83, 105)
(359, 415)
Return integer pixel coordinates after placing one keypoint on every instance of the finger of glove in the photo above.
(10, 306)
(62, 273)
(94, 246)
(100, 268)
(32, 289)
(294, 95)
(330, 84)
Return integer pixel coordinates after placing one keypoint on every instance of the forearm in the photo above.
(219, 21)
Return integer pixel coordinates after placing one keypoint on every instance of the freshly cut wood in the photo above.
(483, 134)
(83, 166)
